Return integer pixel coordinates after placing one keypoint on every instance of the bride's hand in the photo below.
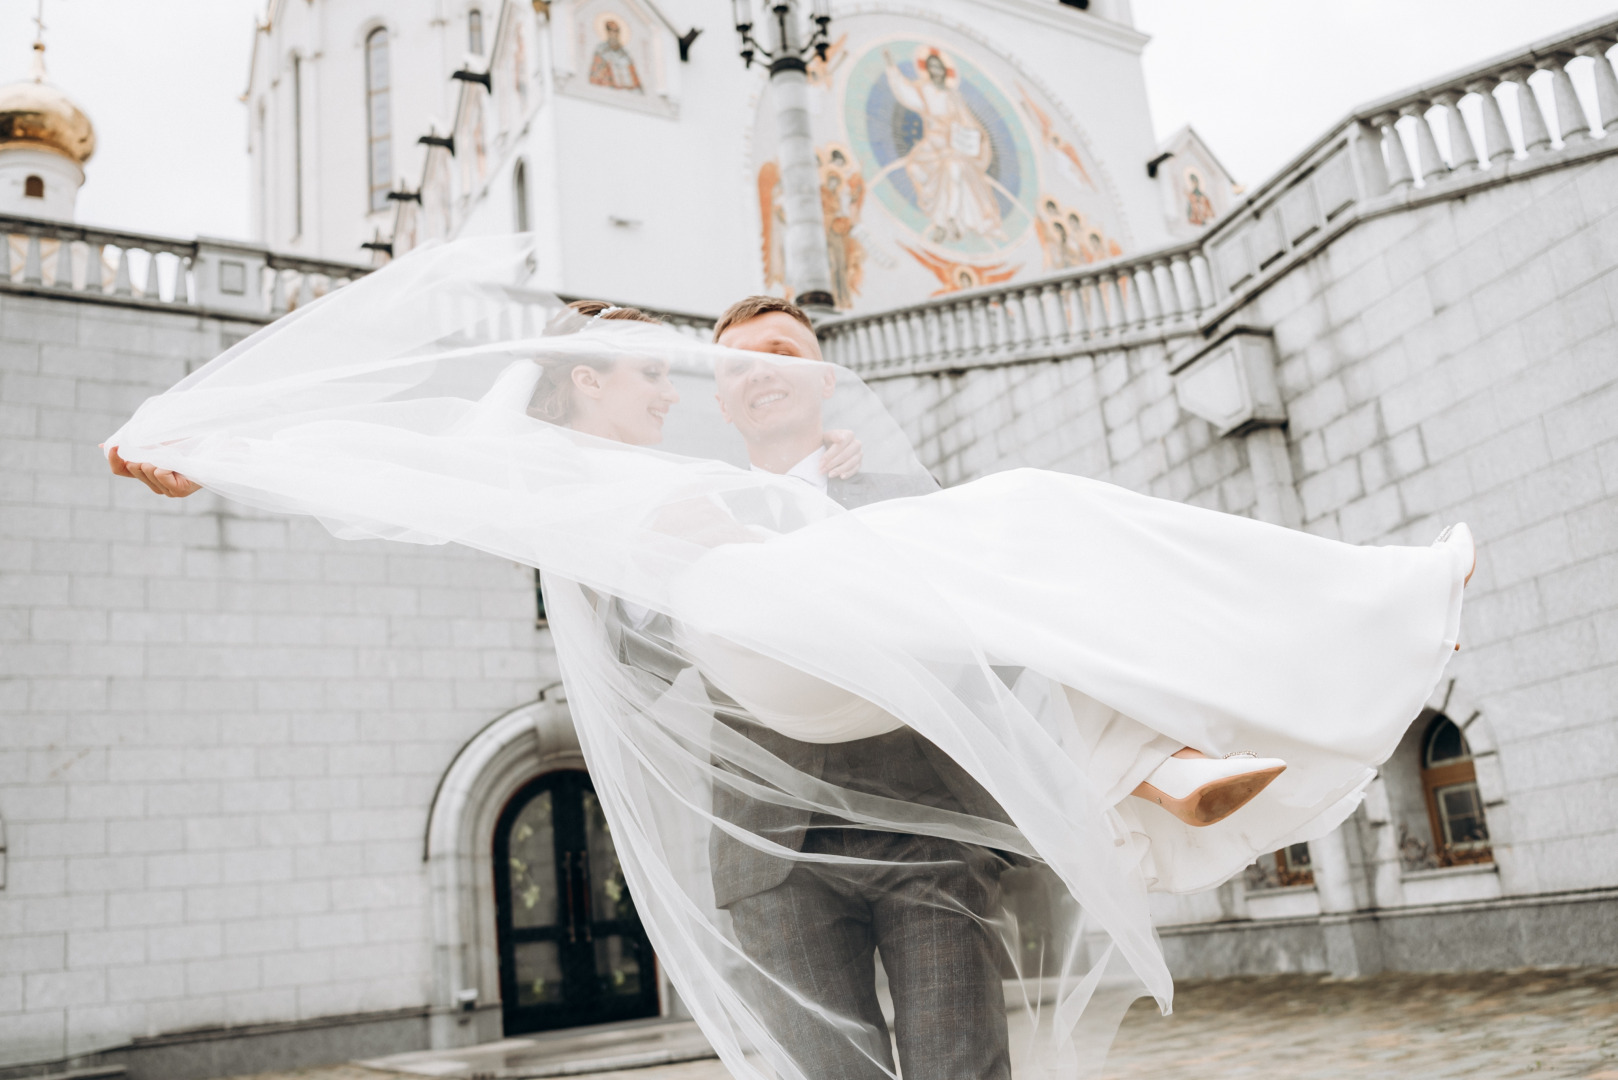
(844, 452)
(163, 481)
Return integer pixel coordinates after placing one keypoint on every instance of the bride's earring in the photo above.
(1201, 790)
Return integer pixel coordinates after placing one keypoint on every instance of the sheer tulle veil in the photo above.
(686, 589)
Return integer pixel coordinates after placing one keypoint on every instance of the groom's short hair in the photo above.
(754, 306)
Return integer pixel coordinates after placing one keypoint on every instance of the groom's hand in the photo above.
(163, 481)
(844, 452)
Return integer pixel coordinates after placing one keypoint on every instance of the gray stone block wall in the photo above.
(221, 730)
(1455, 361)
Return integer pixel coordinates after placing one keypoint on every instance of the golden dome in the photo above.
(37, 115)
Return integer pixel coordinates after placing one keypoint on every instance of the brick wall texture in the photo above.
(1452, 362)
(221, 730)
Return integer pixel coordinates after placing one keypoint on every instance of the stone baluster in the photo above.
(122, 283)
(33, 269)
(958, 320)
(994, 326)
(5, 255)
(1393, 148)
(1055, 318)
(853, 355)
(1427, 157)
(1606, 82)
(870, 347)
(1033, 318)
(278, 292)
(1496, 136)
(1088, 303)
(153, 289)
(306, 288)
(1203, 277)
(924, 322)
(1148, 302)
(1112, 302)
(900, 352)
(1536, 137)
(94, 266)
(64, 264)
(1570, 119)
(1168, 297)
(1366, 142)
(182, 280)
(1463, 156)
(1069, 300)
(875, 353)
(1185, 290)
(923, 336)
(1134, 302)
(982, 326)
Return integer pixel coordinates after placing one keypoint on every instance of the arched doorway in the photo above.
(572, 950)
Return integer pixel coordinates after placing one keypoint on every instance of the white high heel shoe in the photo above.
(1203, 790)
(1458, 538)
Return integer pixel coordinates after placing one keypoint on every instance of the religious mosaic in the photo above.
(944, 168)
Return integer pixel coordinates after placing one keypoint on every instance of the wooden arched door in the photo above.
(572, 950)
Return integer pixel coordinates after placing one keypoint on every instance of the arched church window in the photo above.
(1449, 780)
(474, 31)
(519, 196)
(379, 130)
(34, 187)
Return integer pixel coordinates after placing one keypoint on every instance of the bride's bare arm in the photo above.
(163, 481)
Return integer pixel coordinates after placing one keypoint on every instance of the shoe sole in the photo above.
(1216, 800)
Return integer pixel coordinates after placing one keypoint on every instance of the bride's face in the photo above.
(626, 403)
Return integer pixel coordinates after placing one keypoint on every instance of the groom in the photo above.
(815, 927)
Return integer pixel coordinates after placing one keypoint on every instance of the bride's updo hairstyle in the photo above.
(553, 396)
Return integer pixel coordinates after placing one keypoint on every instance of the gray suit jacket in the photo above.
(900, 764)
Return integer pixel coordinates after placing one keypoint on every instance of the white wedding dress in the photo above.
(1054, 636)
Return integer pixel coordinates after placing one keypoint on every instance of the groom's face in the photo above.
(764, 397)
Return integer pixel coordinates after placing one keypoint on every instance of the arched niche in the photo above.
(1397, 803)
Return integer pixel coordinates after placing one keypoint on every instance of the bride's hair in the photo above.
(553, 396)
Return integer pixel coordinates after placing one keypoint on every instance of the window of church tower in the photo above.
(474, 31)
(1449, 780)
(378, 120)
(34, 187)
(519, 196)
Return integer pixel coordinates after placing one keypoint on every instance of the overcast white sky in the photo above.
(1258, 78)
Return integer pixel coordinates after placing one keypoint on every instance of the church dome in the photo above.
(36, 115)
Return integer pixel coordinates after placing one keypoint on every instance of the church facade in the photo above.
(261, 790)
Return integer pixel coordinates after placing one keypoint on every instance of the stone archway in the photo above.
(485, 774)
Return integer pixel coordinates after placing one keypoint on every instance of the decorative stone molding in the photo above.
(1230, 381)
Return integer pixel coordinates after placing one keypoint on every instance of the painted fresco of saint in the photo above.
(611, 65)
(772, 226)
(842, 194)
(949, 164)
(1199, 209)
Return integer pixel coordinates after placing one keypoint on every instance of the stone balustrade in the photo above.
(1484, 125)
(1121, 300)
(134, 269)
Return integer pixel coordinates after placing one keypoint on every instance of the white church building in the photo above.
(261, 790)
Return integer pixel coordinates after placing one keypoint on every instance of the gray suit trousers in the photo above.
(819, 930)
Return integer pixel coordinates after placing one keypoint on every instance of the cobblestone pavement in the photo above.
(1481, 1026)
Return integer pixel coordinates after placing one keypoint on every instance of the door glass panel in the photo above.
(608, 894)
(618, 966)
(533, 865)
(539, 973)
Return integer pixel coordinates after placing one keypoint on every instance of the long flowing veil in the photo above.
(725, 634)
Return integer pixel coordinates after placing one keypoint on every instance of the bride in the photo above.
(766, 668)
